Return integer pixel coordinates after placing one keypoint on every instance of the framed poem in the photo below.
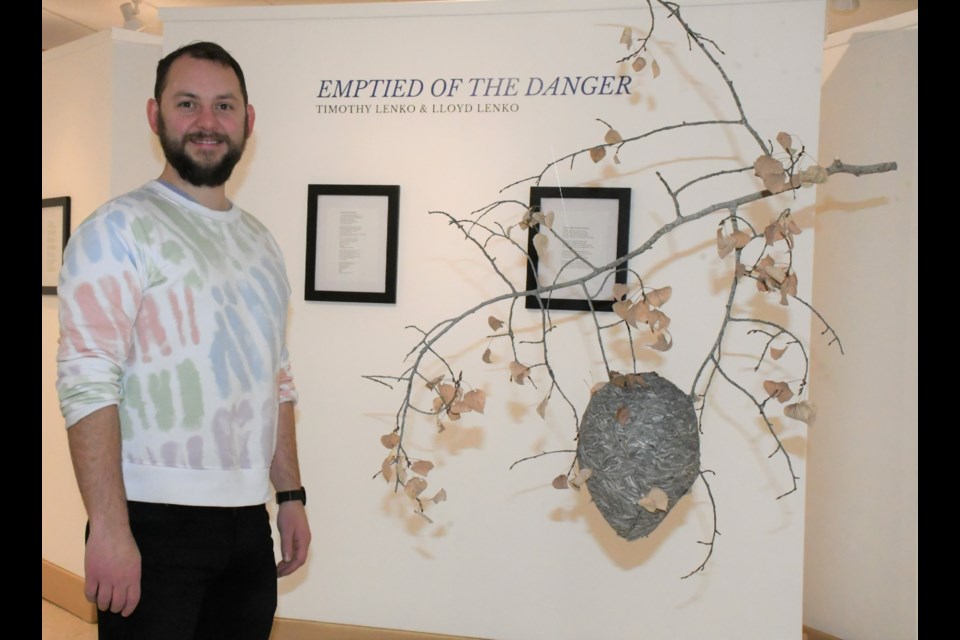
(594, 224)
(352, 243)
(54, 233)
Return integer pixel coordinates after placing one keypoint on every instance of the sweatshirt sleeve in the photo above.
(100, 289)
(287, 391)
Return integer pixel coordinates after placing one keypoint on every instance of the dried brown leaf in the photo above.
(778, 274)
(560, 482)
(616, 158)
(386, 468)
(778, 390)
(626, 38)
(788, 288)
(771, 233)
(658, 321)
(639, 312)
(597, 153)
(487, 356)
(767, 165)
(440, 497)
(803, 411)
(415, 487)
(448, 393)
(597, 387)
(542, 407)
(390, 440)
(518, 372)
(438, 405)
(582, 476)
(527, 220)
(432, 383)
(785, 141)
(741, 270)
(771, 171)
(659, 297)
(623, 415)
(422, 467)
(622, 309)
(777, 353)
(476, 400)
(494, 323)
(639, 63)
(775, 186)
(814, 174)
(725, 244)
(662, 343)
(655, 67)
(741, 239)
(540, 242)
(626, 381)
(655, 500)
(620, 290)
(635, 379)
(613, 137)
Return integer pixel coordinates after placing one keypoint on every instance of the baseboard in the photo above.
(65, 589)
(812, 634)
(287, 629)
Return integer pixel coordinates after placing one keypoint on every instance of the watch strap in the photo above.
(297, 494)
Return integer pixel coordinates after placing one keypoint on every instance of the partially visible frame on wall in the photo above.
(54, 233)
(594, 222)
(352, 242)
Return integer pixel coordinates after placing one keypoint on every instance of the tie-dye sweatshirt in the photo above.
(177, 314)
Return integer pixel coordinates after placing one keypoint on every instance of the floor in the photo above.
(57, 624)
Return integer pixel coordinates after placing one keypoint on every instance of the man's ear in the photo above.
(153, 114)
(251, 116)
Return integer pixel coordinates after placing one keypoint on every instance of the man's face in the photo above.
(202, 121)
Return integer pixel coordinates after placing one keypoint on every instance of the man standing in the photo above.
(175, 384)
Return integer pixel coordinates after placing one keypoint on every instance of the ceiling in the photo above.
(63, 21)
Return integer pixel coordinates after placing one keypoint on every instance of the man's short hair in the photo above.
(199, 51)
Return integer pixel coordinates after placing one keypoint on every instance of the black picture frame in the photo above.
(352, 243)
(54, 233)
(596, 222)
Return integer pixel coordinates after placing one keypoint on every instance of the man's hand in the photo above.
(294, 536)
(112, 567)
(112, 562)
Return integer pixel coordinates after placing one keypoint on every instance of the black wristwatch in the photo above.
(297, 494)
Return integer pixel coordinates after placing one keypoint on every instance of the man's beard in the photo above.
(200, 175)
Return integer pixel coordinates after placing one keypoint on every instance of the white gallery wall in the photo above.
(95, 145)
(508, 556)
(862, 502)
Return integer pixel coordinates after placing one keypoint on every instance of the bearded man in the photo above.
(175, 384)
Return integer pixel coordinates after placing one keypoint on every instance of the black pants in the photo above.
(207, 573)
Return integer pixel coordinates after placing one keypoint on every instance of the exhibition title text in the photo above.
(475, 87)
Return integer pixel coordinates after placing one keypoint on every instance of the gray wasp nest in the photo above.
(639, 434)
